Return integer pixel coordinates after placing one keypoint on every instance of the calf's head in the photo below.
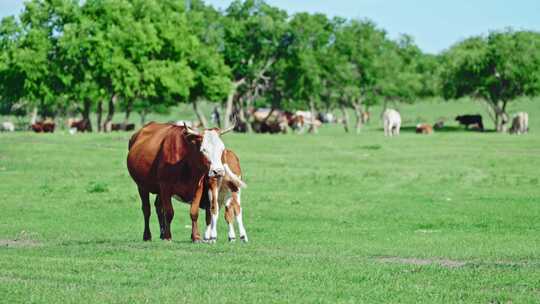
(212, 148)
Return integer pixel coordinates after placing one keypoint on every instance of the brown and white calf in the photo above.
(424, 129)
(225, 191)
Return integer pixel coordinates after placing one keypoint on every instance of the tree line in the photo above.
(60, 57)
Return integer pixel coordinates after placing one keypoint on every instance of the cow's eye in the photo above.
(203, 150)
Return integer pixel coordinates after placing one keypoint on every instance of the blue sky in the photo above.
(435, 24)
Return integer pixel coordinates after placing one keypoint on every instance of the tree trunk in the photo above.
(110, 114)
(143, 117)
(313, 127)
(99, 115)
(129, 108)
(345, 117)
(501, 117)
(33, 118)
(242, 116)
(385, 106)
(230, 102)
(199, 113)
(365, 118)
(358, 113)
(86, 114)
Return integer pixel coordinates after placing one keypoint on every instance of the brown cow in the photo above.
(424, 129)
(170, 160)
(216, 190)
(82, 125)
(46, 126)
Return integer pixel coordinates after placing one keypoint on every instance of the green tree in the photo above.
(254, 40)
(497, 69)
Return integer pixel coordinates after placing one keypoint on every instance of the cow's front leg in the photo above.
(194, 212)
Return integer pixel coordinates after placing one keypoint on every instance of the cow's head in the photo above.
(212, 148)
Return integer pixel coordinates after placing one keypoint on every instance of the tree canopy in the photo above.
(61, 57)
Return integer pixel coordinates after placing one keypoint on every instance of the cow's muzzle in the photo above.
(218, 172)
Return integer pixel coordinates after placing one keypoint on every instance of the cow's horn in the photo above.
(229, 129)
(190, 131)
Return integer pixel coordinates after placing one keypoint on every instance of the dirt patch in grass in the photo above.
(418, 261)
(21, 240)
(19, 243)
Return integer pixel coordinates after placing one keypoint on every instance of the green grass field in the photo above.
(333, 218)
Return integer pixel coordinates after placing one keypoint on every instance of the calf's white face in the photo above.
(212, 148)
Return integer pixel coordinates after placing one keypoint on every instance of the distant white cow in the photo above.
(392, 122)
(520, 123)
(7, 127)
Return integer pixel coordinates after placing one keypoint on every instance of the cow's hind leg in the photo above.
(168, 213)
(145, 199)
(229, 218)
(161, 217)
(239, 220)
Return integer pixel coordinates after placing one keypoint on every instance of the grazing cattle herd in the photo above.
(274, 121)
(175, 160)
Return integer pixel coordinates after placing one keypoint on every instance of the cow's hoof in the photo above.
(244, 239)
(196, 241)
(232, 239)
(147, 237)
(210, 240)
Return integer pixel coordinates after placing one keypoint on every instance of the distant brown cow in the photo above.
(170, 160)
(82, 125)
(424, 129)
(46, 126)
(365, 117)
(269, 121)
(224, 191)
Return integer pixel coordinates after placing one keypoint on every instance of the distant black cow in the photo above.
(122, 127)
(468, 120)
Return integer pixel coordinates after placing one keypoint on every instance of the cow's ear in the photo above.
(174, 148)
(194, 138)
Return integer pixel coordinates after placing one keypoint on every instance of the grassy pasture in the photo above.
(332, 218)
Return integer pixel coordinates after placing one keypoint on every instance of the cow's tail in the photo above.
(234, 178)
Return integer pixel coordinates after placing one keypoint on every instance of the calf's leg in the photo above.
(229, 218)
(239, 220)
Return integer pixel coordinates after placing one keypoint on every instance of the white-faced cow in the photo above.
(170, 160)
(392, 122)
